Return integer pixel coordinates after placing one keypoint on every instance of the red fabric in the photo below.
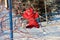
(36, 15)
(31, 10)
(30, 16)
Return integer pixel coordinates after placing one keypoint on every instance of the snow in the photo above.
(44, 33)
(50, 31)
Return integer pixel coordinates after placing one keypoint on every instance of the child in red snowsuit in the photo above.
(31, 17)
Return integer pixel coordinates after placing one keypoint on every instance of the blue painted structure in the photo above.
(1, 26)
(10, 15)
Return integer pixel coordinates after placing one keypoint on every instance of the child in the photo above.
(31, 17)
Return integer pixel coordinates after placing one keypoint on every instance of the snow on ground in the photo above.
(42, 33)
(50, 31)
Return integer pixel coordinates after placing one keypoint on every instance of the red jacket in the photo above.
(31, 17)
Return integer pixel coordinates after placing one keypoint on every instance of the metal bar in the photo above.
(10, 15)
